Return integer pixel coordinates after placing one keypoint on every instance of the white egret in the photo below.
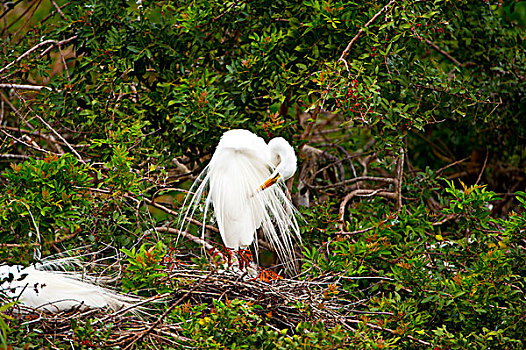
(55, 291)
(245, 180)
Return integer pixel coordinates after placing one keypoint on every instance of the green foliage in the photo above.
(234, 324)
(129, 87)
(42, 201)
(144, 268)
(4, 328)
(440, 279)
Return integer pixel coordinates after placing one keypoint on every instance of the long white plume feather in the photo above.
(241, 163)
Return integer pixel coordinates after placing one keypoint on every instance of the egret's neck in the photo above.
(283, 157)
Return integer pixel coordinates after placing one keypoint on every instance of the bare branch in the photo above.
(61, 138)
(483, 167)
(444, 53)
(36, 47)
(58, 9)
(187, 235)
(25, 143)
(353, 180)
(174, 213)
(24, 87)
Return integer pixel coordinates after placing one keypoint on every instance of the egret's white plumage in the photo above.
(55, 291)
(245, 183)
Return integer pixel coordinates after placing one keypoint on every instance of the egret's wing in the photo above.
(235, 175)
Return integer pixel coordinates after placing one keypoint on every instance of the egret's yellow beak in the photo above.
(271, 181)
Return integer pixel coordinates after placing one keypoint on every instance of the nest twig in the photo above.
(283, 304)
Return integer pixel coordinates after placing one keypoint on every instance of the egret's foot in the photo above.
(237, 261)
(245, 258)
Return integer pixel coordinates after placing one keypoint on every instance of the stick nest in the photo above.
(283, 304)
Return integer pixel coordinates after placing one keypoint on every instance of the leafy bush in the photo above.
(44, 201)
(408, 121)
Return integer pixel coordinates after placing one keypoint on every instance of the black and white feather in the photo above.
(49, 287)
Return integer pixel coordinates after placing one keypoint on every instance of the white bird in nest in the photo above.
(245, 180)
(44, 288)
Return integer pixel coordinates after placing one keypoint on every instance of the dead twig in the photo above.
(36, 47)
(353, 180)
(24, 87)
(163, 316)
(186, 235)
(483, 167)
(174, 213)
(61, 138)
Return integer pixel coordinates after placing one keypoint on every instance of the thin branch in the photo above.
(16, 111)
(452, 164)
(64, 63)
(444, 53)
(38, 134)
(58, 9)
(445, 219)
(362, 193)
(224, 13)
(36, 47)
(463, 96)
(51, 14)
(360, 32)
(36, 244)
(60, 137)
(25, 143)
(163, 316)
(13, 156)
(353, 180)
(308, 129)
(399, 176)
(174, 213)
(133, 306)
(483, 167)
(24, 87)
(8, 6)
(395, 332)
(35, 5)
(187, 235)
(396, 195)
(19, 16)
(356, 232)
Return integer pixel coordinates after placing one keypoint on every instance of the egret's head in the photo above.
(283, 158)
